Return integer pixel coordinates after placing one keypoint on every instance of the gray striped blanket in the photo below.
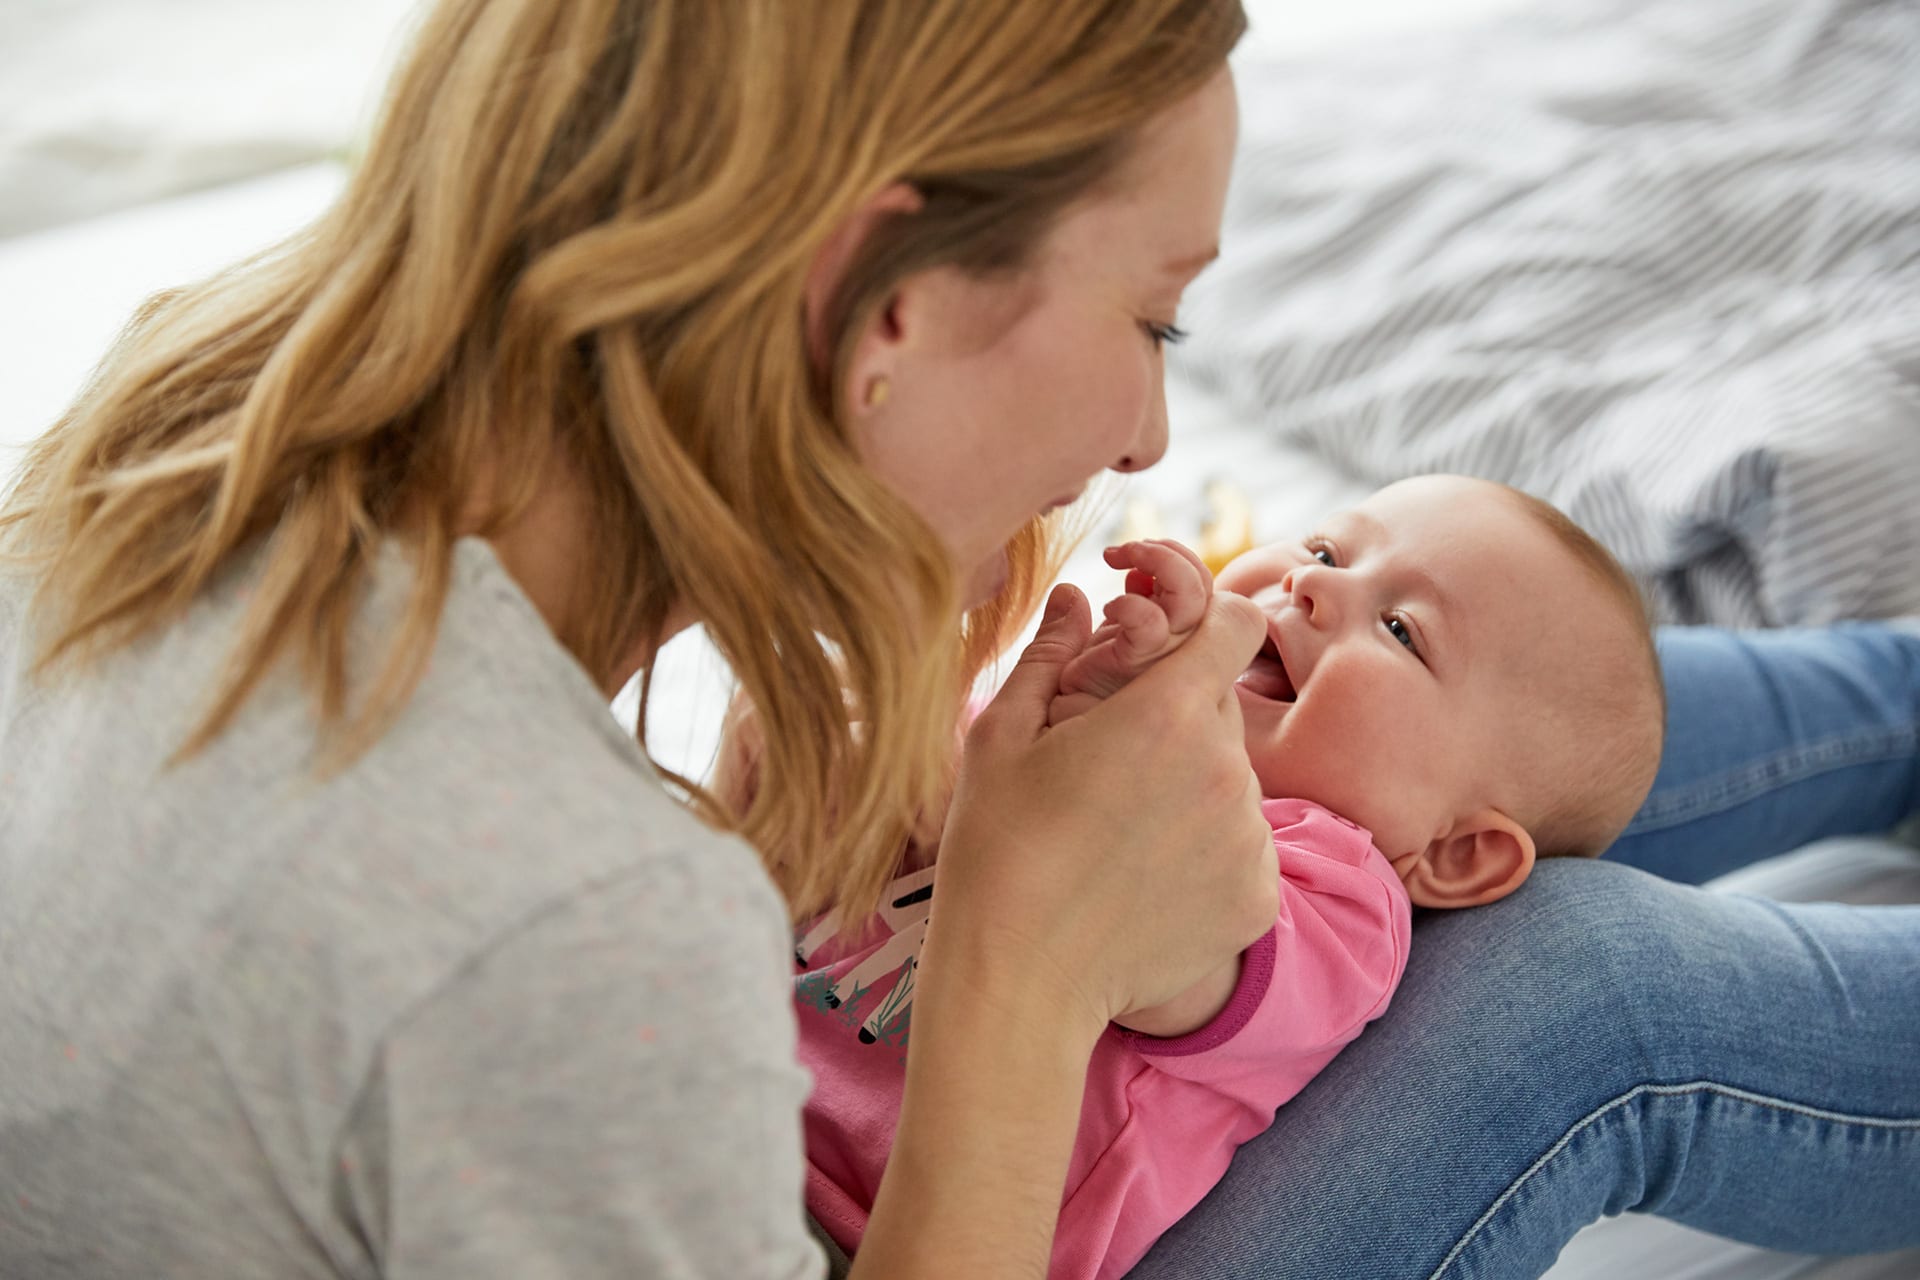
(1655, 260)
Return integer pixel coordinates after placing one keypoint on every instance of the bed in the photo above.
(1659, 262)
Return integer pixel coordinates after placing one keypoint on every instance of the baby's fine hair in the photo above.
(1608, 754)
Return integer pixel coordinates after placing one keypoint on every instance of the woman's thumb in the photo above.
(1035, 678)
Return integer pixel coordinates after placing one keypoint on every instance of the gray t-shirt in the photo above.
(488, 1003)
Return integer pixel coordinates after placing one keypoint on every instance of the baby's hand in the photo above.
(1168, 588)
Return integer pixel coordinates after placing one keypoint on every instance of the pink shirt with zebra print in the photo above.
(1161, 1118)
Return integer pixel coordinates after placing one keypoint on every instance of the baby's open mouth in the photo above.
(1266, 676)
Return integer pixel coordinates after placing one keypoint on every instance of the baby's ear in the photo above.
(1482, 859)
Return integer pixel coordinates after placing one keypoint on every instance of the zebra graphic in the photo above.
(905, 909)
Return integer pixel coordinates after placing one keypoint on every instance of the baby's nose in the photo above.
(1306, 586)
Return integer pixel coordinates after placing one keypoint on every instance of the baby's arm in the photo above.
(1168, 588)
(1336, 955)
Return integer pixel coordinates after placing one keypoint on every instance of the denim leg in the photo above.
(1601, 1041)
(1776, 739)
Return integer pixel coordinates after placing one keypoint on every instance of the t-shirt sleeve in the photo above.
(1308, 987)
(610, 1091)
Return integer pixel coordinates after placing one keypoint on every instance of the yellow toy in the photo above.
(1230, 532)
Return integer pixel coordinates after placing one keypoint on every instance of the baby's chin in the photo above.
(1278, 782)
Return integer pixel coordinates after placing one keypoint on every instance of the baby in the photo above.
(1456, 681)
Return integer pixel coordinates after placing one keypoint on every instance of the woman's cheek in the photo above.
(1103, 382)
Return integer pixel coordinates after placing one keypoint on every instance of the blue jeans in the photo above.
(1608, 1040)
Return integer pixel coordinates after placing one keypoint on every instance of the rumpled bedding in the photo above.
(1657, 261)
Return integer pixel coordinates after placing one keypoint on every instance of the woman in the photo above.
(343, 932)
(344, 935)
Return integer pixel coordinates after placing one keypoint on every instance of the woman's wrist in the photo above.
(996, 1067)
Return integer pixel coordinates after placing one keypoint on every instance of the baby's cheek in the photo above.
(1257, 570)
(1318, 755)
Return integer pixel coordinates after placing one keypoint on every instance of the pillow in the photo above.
(1657, 261)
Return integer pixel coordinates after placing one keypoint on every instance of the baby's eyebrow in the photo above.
(1372, 527)
(1431, 588)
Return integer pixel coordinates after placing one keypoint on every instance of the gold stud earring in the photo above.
(877, 392)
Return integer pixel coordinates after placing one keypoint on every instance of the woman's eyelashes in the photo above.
(1162, 334)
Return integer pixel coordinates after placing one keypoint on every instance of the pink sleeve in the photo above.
(1307, 988)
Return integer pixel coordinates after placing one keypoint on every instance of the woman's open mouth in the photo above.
(1266, 676)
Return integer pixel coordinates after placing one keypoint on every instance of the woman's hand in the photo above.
(1087, 871)
(1113, 862)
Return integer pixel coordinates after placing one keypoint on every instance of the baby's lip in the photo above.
(1268, 675)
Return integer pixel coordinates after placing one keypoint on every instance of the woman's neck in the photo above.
(543, 549)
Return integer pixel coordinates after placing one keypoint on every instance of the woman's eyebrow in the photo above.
(1192, 263)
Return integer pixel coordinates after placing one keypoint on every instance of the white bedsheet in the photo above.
(1655, 260)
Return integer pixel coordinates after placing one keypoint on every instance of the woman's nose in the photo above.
(1149, 445)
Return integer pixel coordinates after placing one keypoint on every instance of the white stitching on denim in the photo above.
(1664, 1090)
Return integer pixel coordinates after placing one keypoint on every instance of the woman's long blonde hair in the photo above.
(579, 236)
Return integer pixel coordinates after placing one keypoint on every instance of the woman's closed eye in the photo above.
(1162, 334)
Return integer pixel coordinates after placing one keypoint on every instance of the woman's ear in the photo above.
(1483, 858)
(836, 256)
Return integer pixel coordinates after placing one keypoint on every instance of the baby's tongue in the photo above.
(1267, 677)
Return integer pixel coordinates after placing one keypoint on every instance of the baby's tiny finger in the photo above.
(1188, 554)
(1182, 584)
(1142, 623)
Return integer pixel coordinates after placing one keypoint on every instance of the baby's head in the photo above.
(1461, 670)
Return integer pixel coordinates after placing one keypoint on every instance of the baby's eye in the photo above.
(1323, 553)
(1398, 630)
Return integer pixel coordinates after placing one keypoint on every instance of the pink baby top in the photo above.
(1161, 1118)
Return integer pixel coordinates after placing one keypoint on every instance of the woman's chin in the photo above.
(988, 579)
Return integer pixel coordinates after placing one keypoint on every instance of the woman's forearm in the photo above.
(995, 1073)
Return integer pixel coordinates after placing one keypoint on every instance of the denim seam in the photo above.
(1781, 770)
(1662, 1090)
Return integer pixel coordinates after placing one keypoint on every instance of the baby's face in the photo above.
(1416, 644)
